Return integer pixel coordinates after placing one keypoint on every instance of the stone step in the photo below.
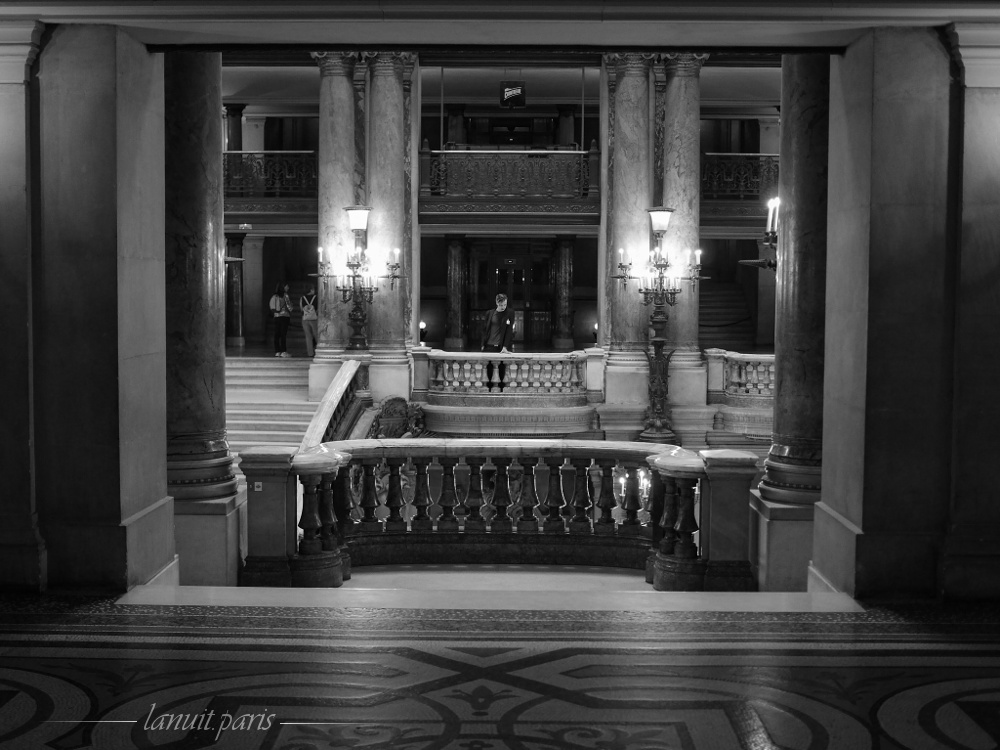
(268, 437)
(262, 424)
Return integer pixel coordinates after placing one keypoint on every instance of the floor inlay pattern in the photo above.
(86, 673)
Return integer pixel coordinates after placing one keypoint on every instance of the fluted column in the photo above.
(562, 338)
(199, 465)
(336, 189)
(388, 224)
(234, 290)
(457, 324)
(23, 557)
(792, 469)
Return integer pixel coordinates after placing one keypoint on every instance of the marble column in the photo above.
(234, 127)
(456, 124)
(624, 319)
(457, 323)
(792, 469)
(99, 339)
(687, 372)
(562, 336)
(255, 296)
(567, 134)
(23, 558)
(338, 146)
(234, 290)
(389, 223)
(199, 465)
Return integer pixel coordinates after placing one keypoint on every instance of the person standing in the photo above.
(498, 335)
(310, 320)
(281, 306)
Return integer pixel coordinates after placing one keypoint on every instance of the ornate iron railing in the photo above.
(510, 175)
(270, 174)
(739, 176)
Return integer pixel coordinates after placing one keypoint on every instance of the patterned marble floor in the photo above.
(95, 672)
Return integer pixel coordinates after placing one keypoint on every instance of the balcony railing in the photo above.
(739, 176)
(270, 174)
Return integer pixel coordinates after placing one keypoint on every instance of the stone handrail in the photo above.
(478, 373)
(471, 500)
(346, 395)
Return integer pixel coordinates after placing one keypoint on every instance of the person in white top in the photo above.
(310, 320)
(281, 306)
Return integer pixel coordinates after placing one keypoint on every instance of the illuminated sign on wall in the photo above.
(512, 94)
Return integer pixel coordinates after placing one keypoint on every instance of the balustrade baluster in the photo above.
(631, 503)
(656, 502)
(369, 498)
(474, 521)
(606, 497)
(344, 502)
(669, 518)
(580, 523)
(686, 525)
(501, 521)
(466, 375)
(547, 376)
(309, 522)
(528, 523)
(328, 521)
(478, 382)
(554, 501)
(437, 375)
(536, 375)
(421, 497)
(394, 496)
(449, 497)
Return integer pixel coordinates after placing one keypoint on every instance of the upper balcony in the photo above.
(551, 185)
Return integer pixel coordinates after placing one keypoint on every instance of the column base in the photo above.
(210, 537)
(678, 574)
(322, 570)
(781, 543)
(266, 571)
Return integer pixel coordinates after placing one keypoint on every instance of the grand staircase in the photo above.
(266, 401)
(724, 319)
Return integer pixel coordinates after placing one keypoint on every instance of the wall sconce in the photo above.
(770, 238)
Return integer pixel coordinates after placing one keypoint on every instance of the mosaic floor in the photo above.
(93, 672)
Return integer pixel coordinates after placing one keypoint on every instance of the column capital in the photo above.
(335, 63)
(629, 63)
(683, 63)
(18, 49)
(389, 63)
(234, 110)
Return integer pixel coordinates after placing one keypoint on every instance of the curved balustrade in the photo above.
(273, 174)
(562, 375)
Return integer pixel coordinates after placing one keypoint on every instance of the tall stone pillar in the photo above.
(99, 344)
(793, 465)
(255, 296)
(456, 124)
(567, 134)
(234, 126)
(339, 187)
(890, 397)
(199, 465)
(971, 555)
(23, 559)
(624, 319)
(687, 372)
(234, 290)
(389, 226)
(457, 323)
(562, 336)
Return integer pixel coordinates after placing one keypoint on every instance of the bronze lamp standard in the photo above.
(355, 280)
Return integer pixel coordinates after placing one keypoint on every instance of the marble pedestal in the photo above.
(781, 543)
(211, 538)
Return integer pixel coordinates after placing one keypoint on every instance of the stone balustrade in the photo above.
(742, 385)
(573, 502)
(563, 375)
